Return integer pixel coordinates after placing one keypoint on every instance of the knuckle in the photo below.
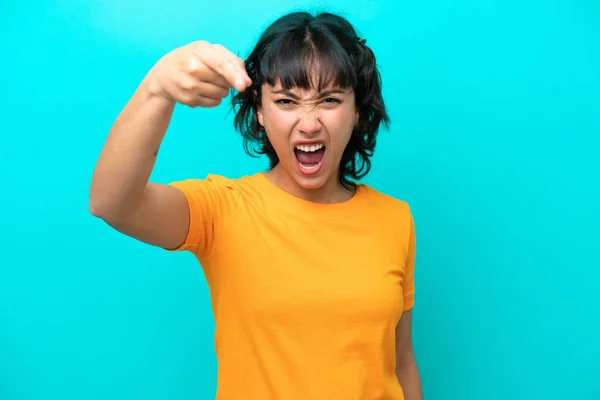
(189, 99)
(200, 43)
(223, 66)
(187, 85)
(240, 63)
(194, 65)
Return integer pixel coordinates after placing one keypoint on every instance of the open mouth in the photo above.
(309, 157)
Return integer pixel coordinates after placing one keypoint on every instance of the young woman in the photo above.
(310, 273)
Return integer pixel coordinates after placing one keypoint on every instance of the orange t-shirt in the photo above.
(306, 297)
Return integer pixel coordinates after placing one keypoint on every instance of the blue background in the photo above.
(495, 144)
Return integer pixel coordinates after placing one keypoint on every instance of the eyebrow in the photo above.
(319, 96)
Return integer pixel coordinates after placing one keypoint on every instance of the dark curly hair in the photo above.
(286, 52)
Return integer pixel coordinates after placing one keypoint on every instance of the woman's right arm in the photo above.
(199, 74)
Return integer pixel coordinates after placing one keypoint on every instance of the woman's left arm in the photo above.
(406, 363)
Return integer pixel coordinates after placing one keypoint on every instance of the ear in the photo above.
(356, 118)
(259, 112)
(259, 115)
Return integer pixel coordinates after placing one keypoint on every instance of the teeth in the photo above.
(310, 168)
(309, 147)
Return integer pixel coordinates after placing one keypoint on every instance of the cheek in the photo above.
(340, 128)
(278, 126)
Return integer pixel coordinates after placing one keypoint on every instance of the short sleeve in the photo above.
(210, 200)
(408, 283)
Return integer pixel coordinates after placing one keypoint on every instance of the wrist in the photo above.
(152, 90)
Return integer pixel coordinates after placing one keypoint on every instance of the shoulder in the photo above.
(215, 188)
(395, 214)
(213, 182)
(385, 202)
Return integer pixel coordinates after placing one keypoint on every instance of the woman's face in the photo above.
(309, 131)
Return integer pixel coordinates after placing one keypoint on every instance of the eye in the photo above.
(284, 102)
(331, 100)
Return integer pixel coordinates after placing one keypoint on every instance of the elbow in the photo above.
(103, 200)
(110, 214)
(97, 203)
(94, 203)
(101, 207)
(109, 208)
(112, 206)
(97, 209)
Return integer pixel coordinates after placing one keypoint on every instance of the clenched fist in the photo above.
(198, 74)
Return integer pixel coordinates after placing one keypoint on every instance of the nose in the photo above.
(309, 123)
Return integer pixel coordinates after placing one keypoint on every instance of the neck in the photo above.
(331, 192)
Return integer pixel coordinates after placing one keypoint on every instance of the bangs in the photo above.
(308, 60)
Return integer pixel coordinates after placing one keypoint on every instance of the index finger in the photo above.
(226, 64)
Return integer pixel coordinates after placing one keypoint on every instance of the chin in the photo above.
(311, 183)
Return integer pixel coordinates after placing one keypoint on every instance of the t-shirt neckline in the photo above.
(323, 210)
